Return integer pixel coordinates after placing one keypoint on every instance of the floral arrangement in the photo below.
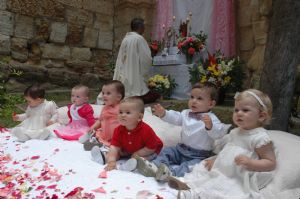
(162, 84)
(223, 72)
(191, 44)
(155, 46)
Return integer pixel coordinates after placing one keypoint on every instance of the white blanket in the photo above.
(56, 166)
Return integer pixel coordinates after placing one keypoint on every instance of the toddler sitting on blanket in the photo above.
(245, 163)
(112, 93)
(39, 114)
(131, 137)
(80, 113)
(200, 128)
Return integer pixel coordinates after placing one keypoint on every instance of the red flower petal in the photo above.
(103, 174)
(35, 157)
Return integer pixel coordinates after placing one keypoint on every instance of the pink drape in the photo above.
(222, 34)
(163, 16)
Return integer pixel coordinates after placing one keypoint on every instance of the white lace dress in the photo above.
(226, 180)
(34, 121)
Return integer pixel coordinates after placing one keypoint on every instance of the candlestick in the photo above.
(190, 22)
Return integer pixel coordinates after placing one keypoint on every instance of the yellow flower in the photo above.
(203, 79)
(227, 79)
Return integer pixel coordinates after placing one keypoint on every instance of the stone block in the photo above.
(72, 3)
(5, 44)
(23, 26)
(99, 6)
(90, 37)
(19, 56)
(19, 50)
(24, 7)
(2, 4)
(260, 31)
(91, 80)
(244, 15)
(59, 32)
(255, 63)
(6, 23)
(52, 9)
(48, 63)
(42, 30)
(105, 40)
(83, 54)
(103, 22)
(79, 17)
(75, 33)
(246, 38)
(81, 66)
(56, 52)
(266, 7)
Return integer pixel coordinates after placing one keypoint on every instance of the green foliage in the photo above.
(8, 101)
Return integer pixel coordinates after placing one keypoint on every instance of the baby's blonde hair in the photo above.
(85, 89)
(137, 101)
(263, 102)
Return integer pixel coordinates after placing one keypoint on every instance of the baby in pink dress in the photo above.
(112, 94)
(80, 113)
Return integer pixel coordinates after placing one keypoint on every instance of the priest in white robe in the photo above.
(134, 62)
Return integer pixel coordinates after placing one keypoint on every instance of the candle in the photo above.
(174, 18)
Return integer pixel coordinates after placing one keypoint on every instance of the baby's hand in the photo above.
(158, 110)
(242, 161)
(111, 166)
(15, 117)
(49, 123)
(207, 121)
(209, 163)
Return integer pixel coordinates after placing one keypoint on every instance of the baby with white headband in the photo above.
(246, 161)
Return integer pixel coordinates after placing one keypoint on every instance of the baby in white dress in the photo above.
(39, 114)
(245, 163)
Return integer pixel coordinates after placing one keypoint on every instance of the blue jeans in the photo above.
(180, 158)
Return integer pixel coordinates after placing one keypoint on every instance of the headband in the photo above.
(255, 96)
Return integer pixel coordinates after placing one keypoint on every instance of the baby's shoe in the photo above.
(163, 173)
(187, 194)
(177, 183)
(129, 165)
(145, 167)
(89, 144)
(84, 138)
(97, 155)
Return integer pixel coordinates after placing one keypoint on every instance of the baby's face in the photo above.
(33, 102)
(78, 97)
(129, 116)
(200, 100)
(110, 95)
(247, 115)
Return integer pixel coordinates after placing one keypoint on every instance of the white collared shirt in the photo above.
(193, 132)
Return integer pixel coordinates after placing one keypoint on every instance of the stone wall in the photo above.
(252, 27)
(61, 42)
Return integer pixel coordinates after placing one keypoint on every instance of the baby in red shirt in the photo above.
(132, 137)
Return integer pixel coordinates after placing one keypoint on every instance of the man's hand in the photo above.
(158, 110)
(207, 121)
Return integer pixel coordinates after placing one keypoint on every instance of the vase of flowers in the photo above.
(225, 73)
(191, 44)
(162, 84)
(155, 47)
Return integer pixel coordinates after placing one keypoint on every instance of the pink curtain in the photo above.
(163, 16)
(222, 34)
